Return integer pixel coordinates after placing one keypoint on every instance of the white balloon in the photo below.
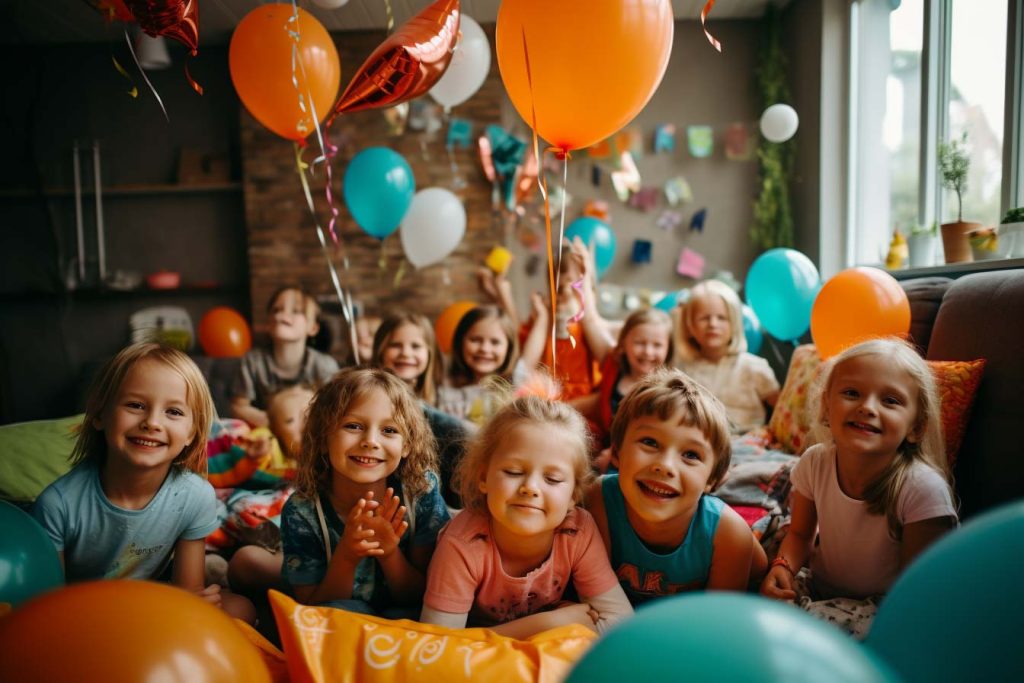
(330, 4)
(433, 226)
(468, 68)
(779, 122)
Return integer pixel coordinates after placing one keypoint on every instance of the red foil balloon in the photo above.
(113, 9)
(177, 19)
(407, 64)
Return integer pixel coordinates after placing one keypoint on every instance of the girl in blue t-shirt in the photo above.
(359, 531)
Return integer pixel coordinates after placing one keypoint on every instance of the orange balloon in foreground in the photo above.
(444, 326)
(260, 60)
(128, 631)
(224, 333)
(592, 65)
(855, 305)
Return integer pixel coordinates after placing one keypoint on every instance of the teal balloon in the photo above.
(723, 637)
(956, 613)
(781, 286)
(752, 330)
(28, 559)
(378, 189)
(598, 237)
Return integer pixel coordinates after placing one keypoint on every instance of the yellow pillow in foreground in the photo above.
(329, 646)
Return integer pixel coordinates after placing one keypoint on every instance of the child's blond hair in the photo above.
(688, 347)
(527, 409)
(882, 496)
(427, 383)
(645, 316)
(667, 392)
(330, 404)
(91, 444)
(461, 374)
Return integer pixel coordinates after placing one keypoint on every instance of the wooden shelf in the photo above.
(141, 189)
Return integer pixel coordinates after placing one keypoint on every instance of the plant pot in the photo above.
(955, 244)
(922, 250)
(1011, 240)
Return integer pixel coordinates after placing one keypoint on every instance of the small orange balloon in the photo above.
(126, 631)
(224, 333)
(260, 60)
(444, 326)
(592, 65)
(855, 305)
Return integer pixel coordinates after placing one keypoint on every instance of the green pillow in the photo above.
(33, 455)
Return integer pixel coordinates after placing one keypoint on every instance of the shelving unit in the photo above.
(140, 189)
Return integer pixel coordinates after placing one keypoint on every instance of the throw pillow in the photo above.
(957, 382)
(323, 644)
(33, 455)
(791, 420)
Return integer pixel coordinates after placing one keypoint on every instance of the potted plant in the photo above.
(1011, 232)
(921, 244)
(953, 165)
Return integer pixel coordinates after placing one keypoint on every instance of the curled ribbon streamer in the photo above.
(703, 22)
(390, 14)
(191, 81)
(145, 77)
(134, 92)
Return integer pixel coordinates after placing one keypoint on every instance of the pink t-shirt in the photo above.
(466, 575)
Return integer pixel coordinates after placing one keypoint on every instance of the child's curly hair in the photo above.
(330, 404)
(528, 409)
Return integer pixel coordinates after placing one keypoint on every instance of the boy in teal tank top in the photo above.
(664, 532)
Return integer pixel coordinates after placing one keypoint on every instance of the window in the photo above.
(921, 72)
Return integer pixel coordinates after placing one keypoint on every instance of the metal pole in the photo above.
(79, 231)
(100, 241)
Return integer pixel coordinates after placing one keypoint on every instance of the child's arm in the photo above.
(243, 409)
(540, 331)
(356, 543)
(189, 570)
(531, 625)
(595, 329)
(499, 289)
(920, 535)
(731, 557)
(795, 549)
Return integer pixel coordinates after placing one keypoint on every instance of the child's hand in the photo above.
(582, 259)
(778, 585)
(211, 594)
(388, 523)
(487, 281)
(257, 448)
(359, 540)
(540, 308)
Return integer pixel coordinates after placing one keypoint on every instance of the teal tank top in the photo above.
(645, 574)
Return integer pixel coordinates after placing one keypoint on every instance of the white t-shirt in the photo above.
(856, 557)
(741, 381)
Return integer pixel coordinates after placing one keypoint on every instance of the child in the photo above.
(360, 529)
(405, 345)
(136, 496)
(874, 493)
(713, 351)
(666, 534)
(484, 347)
(293, 321)
(505, 561)
(645, 344)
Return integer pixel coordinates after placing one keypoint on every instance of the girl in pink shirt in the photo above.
(505, 561)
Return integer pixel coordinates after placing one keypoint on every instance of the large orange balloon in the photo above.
(126, 631)
(592, 65)
(224, 333)
(444, 326)
(260, 59)
(855, 305)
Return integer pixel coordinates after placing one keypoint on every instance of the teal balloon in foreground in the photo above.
(672, 299)
(725, 637)
(781, 286)
(956, 613)
(28, 559)
(598, 237)
(378, 188)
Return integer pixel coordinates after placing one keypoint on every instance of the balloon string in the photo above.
(142, 71)
(191, 81)
(703, 22)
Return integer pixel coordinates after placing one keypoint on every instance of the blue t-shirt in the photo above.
(305, 559)
(645, 574)
(103, 541)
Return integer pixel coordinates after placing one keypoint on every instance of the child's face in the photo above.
(149, 421)
(529, 483)
(406, 353)
(646, 347)
(485, 347)
(287, 414)
(871, 406)
(664, 468)
(367, 446)
(710, 325)
(291, 317)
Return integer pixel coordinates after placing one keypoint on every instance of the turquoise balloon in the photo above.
(780, 287)
(752, 330)
(672, 299)
(956, 613)
(598, 237)
(28, 559)
(723, 637)
(378, 189)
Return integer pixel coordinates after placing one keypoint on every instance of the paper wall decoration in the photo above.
(627, 178)
(665, 138)
(645, 199)
(595, 175)
(669, 220)
(739, 144)
(602, 150)
(697, 222)
(641, 251)
(596, 208)
(700, 140)
(691, 264)
(630, 140)
(424, 116)
(677, 191)
(460, 133)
